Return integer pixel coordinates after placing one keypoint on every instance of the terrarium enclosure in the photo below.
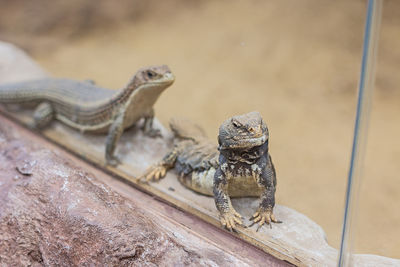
(296, 62)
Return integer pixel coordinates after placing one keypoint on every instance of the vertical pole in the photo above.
(366, 85)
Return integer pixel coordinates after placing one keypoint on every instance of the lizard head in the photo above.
(243, 131)
(153, 76)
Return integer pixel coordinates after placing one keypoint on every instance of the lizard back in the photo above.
(78, 104)
(54, 90)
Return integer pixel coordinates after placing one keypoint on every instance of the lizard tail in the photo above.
(186, 129)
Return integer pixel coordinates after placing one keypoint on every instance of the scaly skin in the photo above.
(88, 108)
(242, 168)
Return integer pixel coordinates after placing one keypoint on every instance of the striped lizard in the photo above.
(88, 108)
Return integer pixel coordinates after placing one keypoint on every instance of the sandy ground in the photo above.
(297, 62)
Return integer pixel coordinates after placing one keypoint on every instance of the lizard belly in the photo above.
(242, 182)
(96, 128)
(131, 117)
(243, 186)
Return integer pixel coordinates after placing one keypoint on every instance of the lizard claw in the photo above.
(231, 219)
(155, 172)
(263, 216)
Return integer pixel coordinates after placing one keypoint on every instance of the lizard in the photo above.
(240, 166)
(88, 108)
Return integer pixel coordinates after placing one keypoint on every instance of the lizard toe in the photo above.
(262, 217)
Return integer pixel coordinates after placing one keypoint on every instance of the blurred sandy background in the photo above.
(297, 62)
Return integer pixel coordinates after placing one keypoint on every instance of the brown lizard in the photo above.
(241, 168)
(88, 108)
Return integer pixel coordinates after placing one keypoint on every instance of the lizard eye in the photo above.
(251, 129)
(150, 74)
(235, 124)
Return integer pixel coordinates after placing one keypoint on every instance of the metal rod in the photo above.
(366, 85)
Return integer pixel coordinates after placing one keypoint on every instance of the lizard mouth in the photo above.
(244, 142)
(167, 79)
(159, 83)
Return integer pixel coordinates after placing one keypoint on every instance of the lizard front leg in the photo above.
(159, 170)
(148, 125)
(267, 180)
(228, 215)
(114, 133)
